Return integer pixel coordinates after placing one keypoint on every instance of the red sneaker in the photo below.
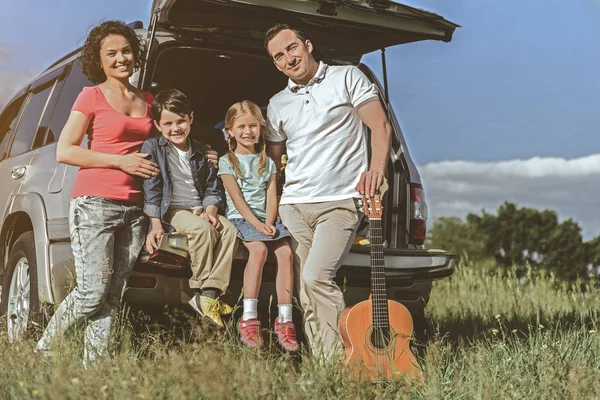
(286, 335)
(250, 333)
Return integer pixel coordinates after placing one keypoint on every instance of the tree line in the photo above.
(519, 236)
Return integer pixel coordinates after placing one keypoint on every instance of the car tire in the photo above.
(20, 297)
(421, 328)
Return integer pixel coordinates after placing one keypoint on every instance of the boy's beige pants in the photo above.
(322, 235)
(211, 250)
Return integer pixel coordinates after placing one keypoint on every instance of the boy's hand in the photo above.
(211, 155)
(211, 216)
(153, 238)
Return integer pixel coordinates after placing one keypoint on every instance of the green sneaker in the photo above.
(225, 308)
(208, 308)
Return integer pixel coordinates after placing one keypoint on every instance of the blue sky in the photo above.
(517, 88)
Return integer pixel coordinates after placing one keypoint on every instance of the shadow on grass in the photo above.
(467, 330)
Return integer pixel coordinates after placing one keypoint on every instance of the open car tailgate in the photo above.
(342, 29)
(401, 265)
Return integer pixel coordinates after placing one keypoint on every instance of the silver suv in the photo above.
(213, 51)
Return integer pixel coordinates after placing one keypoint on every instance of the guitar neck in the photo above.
(378, 286)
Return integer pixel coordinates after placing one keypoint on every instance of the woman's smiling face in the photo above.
(116, 57)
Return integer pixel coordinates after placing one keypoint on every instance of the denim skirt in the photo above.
(248, 233)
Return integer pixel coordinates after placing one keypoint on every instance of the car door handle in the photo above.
(18, 172)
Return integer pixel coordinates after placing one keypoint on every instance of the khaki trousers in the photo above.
(322, 235)
(211, 250)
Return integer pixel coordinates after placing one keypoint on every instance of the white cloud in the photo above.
(10, 80)
(5, 54)
(570, 187)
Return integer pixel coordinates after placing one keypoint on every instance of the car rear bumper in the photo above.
(408, 276)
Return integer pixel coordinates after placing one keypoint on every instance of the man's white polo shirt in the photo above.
(325, 138)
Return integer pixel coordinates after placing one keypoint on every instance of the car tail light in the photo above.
(406, 295)
(141, 282)
(165, 259)
(418, 214)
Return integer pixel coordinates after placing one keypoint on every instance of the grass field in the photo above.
(493, 338)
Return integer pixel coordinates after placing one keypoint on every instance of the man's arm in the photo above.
(275, 150)
(373, 115)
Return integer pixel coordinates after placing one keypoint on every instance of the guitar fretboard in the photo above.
(378, 286)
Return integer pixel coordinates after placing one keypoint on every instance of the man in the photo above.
(320, 117)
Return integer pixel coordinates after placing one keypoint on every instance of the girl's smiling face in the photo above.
(246, 132)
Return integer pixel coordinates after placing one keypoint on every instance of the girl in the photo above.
(249, 177)
(106, 221)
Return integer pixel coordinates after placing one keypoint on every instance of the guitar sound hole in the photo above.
(380, 338)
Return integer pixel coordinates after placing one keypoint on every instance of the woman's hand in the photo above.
(153, 238)
(136, 164)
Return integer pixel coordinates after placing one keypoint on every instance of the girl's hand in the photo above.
(136, 164)
(153, 238)
(264, 228)
(272, 229)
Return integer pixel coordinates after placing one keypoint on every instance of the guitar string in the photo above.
(381, 297)
(375, 310)
(380, 310)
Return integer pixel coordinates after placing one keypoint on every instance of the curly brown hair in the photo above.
(90, 53)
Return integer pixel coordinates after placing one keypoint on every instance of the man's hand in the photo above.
(211, 216)
(370, 182)
(211, 155)
(153, 238)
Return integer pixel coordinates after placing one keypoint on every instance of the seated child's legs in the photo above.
(285, 275)
(284, 282)
(211, 254)
(211, 250)
(249, 323)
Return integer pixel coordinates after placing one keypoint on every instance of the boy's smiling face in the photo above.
(175, 128)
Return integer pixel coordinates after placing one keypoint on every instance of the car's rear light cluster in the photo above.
(142, 282)
(165, 259)
(418, 214)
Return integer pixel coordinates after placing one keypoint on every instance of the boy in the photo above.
(186, 196)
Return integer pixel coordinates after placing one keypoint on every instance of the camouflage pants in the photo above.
(106, 237)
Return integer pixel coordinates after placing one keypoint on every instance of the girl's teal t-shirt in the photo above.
(252, 185)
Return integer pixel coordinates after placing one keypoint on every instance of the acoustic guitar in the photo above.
(376, 332)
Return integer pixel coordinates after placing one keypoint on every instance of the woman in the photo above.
(106, 220)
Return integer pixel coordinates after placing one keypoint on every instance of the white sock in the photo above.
(285, 312)
(250, 309)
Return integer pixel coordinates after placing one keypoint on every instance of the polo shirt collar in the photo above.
(319, 76)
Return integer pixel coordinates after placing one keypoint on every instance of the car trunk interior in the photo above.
(215, 79)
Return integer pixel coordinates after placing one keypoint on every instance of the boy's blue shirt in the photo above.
(158, 190)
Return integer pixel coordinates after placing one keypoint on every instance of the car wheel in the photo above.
(421, 327)
(20, 298)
